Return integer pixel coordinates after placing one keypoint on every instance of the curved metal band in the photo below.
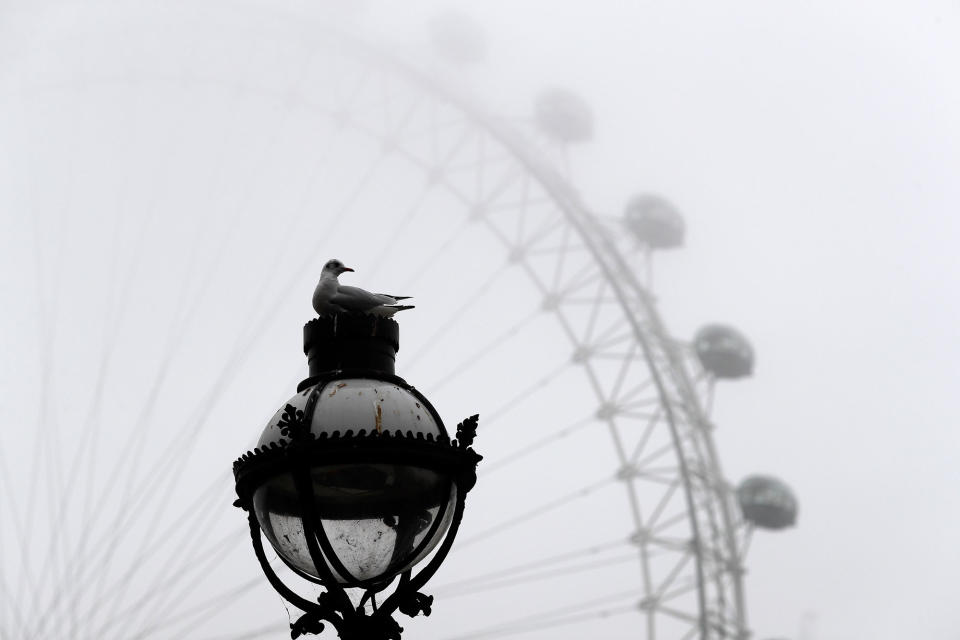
(289, 594)
(321, 552)
(435, 525)
(416, 582)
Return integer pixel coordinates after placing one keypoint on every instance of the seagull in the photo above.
(332, 297)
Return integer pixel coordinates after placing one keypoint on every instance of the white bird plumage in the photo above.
(332, 297)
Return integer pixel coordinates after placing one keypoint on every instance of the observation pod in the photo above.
(458, 38)
(654, 222)
(724, 351)
(564, 116)
(355, 480)
(767, 502)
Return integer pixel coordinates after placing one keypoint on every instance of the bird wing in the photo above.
(357, 299)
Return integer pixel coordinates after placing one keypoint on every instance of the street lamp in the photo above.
(355, 481)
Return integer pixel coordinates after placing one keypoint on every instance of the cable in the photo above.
(542, 575)
(536, 564)
(490, 467)
(537, 511)
(543, 619)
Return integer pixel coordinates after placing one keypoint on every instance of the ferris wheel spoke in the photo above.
(639, 412)
(669, 522)
(13, 514)
(592, 550)
(404, 221)
(530, 239)
(637, 391)
(572, 301)
(536, 511)
(132, 445)
(73, 592)
(177, 334)
(193, 556)
(626, 364)
(191, 518)
(182, 319)
(523, 395)
(188, 618)
(442, 160)
(436, 125)
(686, 587)
(661, 475)
(163, 585)
(363, 101)
(648, 430)
(268, 631)
(538, 576)
(437, 254)
(433, 178)
(612, 329)
(347, 203)
(509, 206)
(387, 91)
(487, 200)
(204, 565)
(662, 503)
(46, 445)
(90, 433)
(520, 216)
(535, 447)
(672, 575)
(190, 521)
(562, 252)
(586, 276)
(13, 615)
(496, 205)
(139, 496)
(654, 456)
(454, 317)
(545, 618)
(637, 408)
(87, 448)
(610, 337)
(195, 518)
(487, 349)
(158, 512)
(560, 621)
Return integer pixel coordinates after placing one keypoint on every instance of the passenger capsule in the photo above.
(654, 222)
(723, 351)
(564, 116)
(458, 37)
(767, 502)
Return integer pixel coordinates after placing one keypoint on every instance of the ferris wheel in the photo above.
(184, 172)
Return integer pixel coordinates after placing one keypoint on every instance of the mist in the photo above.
(173, 177)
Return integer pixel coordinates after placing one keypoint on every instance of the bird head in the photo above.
(333, 268)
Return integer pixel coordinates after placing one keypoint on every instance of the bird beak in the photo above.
(348, 269)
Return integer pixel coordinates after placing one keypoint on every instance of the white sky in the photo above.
(812, 147)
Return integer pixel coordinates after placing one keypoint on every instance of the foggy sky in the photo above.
(812, 148)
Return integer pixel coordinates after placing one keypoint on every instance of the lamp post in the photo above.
(355, 481)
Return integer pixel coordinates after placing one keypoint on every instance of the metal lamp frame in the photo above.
(299, 451)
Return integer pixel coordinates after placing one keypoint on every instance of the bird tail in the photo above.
(387, 310)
